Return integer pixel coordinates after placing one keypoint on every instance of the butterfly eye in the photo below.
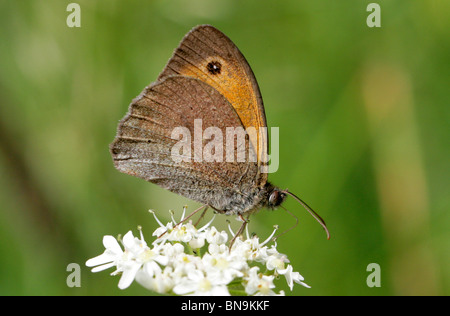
(274, 198)
(214, 67)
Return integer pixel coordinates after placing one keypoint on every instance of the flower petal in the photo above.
(103, 267)
(128, 240)
(111, 244)
(128, 275)
(100, 259)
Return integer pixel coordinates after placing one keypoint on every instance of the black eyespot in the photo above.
(214, 67)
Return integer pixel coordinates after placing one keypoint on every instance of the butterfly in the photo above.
(207, 80)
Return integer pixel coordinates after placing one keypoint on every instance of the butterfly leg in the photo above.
(240, 231)
(186, 218)
(201, 216)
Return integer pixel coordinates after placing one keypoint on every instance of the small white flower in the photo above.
(259, 284)
(183, 263)
(109, 258)
(140, 256)
(136, 255)
(197, 242)
(292, 277)
(215, 237)
(215, 249)
(275, 261)
(224, 267)
(172, 250)
(162, 282)
(197, 283)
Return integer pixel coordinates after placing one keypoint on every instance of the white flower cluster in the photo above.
(190, 261)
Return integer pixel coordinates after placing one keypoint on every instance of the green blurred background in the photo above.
(364, 124)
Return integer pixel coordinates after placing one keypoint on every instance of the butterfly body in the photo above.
(236, 202)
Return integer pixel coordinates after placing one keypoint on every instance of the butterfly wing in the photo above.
(144, 144)
(207, 54)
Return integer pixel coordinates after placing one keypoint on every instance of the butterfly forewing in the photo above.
(207, 54)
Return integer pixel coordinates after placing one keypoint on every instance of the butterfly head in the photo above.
(276, 197)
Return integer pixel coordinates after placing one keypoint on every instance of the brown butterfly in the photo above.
(206, 79)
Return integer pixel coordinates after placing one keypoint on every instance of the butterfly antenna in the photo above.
(287, 230)
(310, 211)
